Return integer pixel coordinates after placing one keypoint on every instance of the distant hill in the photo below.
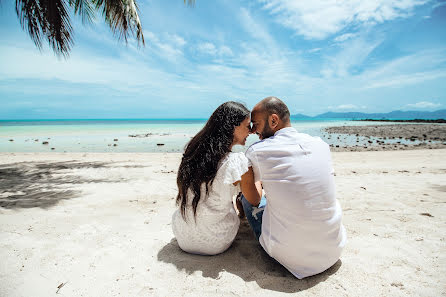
(396, 114)
(299, 116)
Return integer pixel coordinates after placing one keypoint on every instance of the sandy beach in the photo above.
(98, 224)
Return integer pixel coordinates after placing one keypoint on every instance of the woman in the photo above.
(209, 175)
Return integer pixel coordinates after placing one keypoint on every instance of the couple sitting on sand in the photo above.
(298, 219)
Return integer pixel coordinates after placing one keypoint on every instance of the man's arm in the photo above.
(250, 189)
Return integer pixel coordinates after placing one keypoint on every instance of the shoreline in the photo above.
(437, 121)
(340, 137)
(390, 137)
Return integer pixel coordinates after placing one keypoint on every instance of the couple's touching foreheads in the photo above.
(287, 185)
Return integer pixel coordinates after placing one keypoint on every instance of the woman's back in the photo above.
(216, 224)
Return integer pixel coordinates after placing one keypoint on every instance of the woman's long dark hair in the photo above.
(204, 152)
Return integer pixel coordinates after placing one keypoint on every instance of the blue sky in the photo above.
(318, 56)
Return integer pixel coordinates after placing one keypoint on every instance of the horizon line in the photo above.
(199, 119)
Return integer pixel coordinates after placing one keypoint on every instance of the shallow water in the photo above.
(165, 135)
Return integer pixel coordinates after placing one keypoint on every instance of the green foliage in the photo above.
(50, 20)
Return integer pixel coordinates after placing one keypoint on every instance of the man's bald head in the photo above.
(269, 116)
(273, 105)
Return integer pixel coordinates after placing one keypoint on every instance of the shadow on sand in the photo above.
(244, 258)
(43, 184)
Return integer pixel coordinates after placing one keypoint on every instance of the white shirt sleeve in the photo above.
(253, 162)
(236, 166)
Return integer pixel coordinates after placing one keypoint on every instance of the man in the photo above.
(300, 226)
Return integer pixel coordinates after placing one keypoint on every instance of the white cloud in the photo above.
(407, 70)
(122, 74)
(353, 54)
(225, 51)
(257, 30)
(315, 50)
(423, 104)
(317, 19)
(207, 48)
(176, 39)
(405, 79)
(211, 49)
(438, 4)
(169, 47)
(344, 37)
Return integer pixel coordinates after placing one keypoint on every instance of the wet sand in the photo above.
(391, 137)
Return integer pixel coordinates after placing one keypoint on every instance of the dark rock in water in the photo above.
(438, 121)
(160, 144)
(36, 140)
(45, 142)
(52, 148)
(11, 140)
(116, 139)
(114, 144)
(141, 135)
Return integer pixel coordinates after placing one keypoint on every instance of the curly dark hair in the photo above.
(205, 150)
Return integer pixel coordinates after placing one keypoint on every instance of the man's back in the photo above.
(301, 225)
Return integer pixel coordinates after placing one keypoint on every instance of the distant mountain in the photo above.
(396, 114)
(299, 116)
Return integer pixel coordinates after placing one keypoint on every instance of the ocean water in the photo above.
(132, 135)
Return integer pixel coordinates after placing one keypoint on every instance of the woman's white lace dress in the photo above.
(216, 223)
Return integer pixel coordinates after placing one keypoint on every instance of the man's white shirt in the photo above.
(301, 225)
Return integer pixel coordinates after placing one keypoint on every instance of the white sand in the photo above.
(100, 225)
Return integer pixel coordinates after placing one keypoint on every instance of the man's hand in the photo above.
(251, 190)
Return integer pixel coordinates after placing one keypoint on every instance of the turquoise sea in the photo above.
(160, 135)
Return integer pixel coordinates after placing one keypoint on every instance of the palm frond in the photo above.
(122, 17)
(84, 8)
(49, 19)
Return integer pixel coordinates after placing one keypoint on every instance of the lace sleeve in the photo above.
(236, 166)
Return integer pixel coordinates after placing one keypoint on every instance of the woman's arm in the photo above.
(250, 189)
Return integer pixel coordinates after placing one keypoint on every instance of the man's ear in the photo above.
(273, 120)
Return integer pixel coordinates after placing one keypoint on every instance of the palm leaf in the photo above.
(46, 19)
(84, 8)
(122, 17)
